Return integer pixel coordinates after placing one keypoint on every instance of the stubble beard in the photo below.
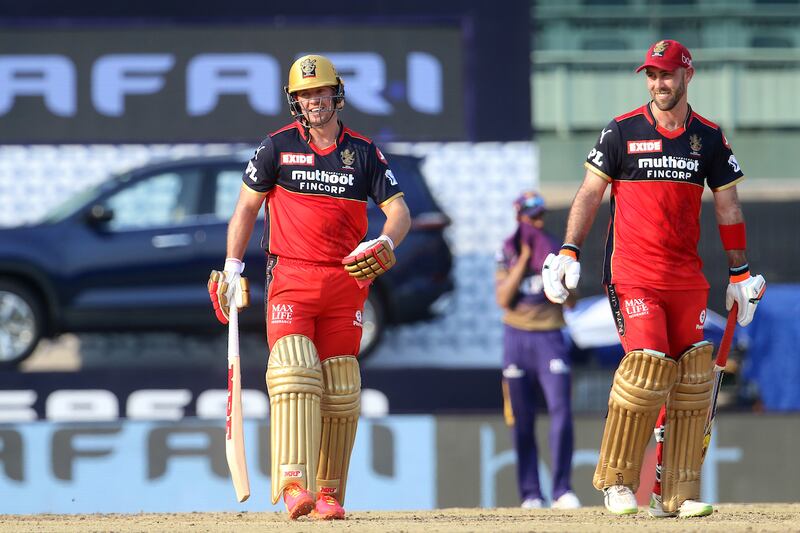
(670, 103)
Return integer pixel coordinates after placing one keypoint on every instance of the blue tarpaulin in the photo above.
(773, 356)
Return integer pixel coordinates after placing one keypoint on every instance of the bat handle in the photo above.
(233, 332)
(727, 337)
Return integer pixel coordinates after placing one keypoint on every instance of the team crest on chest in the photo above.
(309, 68)
(348, 157)
(659, 48)
(695, 144)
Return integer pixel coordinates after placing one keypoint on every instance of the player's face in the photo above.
(318, 104)
(667, 87)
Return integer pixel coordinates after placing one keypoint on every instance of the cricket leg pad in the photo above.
(341, 406)
(687, 409)
(641, 385)
(294, 383)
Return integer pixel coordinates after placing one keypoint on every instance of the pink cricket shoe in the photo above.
(328, 508)
(299, 502)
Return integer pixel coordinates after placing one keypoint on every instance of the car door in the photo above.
(225, 183)
(140, 269)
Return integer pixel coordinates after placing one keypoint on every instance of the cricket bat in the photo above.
(719, 368)
(234, 436)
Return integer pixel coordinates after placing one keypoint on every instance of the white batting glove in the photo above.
(746, 291)
(564, 266)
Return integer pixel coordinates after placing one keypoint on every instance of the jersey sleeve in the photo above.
(261, 173)
(383, 186)
(725, 171)
(605, 158)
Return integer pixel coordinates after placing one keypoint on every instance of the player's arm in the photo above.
(564, 265)
(743, 288)
(398, 220)
(729, 217)
(584, 208)
(241, 224)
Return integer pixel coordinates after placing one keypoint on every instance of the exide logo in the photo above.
(291, 158)
(643, 147)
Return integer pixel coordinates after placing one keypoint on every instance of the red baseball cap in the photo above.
(667, 55)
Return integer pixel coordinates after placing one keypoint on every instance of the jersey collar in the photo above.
(304, 134)
(673, 134)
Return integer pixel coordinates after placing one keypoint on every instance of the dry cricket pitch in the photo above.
(728, 518)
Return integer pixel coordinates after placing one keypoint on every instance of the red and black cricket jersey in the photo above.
(317, 199)
(657, 179)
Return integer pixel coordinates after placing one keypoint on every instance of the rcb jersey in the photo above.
(657, 179)
(317, 199)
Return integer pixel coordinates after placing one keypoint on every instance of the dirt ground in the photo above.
(730, 518)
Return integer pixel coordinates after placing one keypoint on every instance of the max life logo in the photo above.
(282, 313)
(635, 307)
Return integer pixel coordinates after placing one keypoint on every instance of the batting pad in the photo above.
(294, 382)
(687, 409)
(641, 385)
(341, 405)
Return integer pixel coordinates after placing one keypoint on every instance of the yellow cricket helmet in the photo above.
(309, 72)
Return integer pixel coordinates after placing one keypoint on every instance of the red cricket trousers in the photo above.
(322, 302)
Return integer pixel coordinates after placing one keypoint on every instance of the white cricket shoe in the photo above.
(620, 499)
(694, 508)
(532, 503)
(656, 509)
(568, 500)
(688, 509)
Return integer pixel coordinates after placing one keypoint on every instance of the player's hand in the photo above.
(556, 268)
(228, 286)
(370, 259)
(746, 293)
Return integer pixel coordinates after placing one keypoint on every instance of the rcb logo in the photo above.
(309, 68)
(659, 48)
(695, 144)
(348, 156)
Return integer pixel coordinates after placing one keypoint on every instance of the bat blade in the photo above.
(719, 368)
(234, 434)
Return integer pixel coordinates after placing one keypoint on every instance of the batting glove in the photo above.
(228, 286)
(370, 259)
(564, 266)
(746, 291)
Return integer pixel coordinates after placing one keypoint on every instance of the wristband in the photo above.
(234, 265)
(388, 239)
(570, 250)
(739, 274)
(733, 236)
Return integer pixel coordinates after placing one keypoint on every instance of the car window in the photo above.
(165, 199)
(228, 185)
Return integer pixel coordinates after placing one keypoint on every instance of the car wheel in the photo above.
(21, 322)
(373, 323)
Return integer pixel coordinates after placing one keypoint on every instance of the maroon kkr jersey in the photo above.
(317, 199)
(657, 178)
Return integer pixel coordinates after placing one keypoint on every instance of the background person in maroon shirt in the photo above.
(658, 159)
(316, 176)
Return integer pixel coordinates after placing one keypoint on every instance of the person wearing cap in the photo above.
(658, 159)
(315, 176)
(535, 356)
